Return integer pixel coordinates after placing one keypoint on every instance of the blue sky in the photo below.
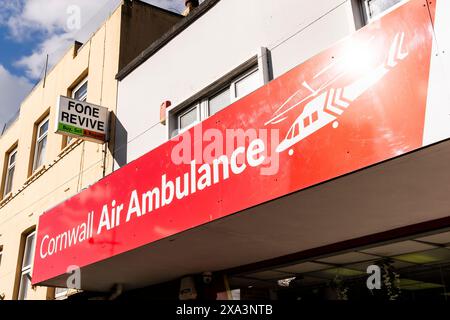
(10, 50)
(31, 29)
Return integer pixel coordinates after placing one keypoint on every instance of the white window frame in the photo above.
(202, 105)
(366, 10)
(39, 139)
(9, 166)
(82, 82)
(233, 92)
(261, 66)
(62, 295)
(205, 101)
(232, 89)
(197, 108)
(83, 98)
(26, 270)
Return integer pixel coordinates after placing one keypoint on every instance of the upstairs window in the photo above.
(61, 293)
(41, 144)
(11, 166)
(188, 118)
(246, 84)
(375, 8)
(217, 100)
(78, 93)
(236, 84)
(27, 262)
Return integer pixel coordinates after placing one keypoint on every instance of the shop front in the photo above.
(410, 269)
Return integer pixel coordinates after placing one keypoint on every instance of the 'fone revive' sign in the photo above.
(82, 120)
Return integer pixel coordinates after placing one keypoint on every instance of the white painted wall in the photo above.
(437, 117)
(221, 40)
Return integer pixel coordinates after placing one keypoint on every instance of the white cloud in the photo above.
(55, 46)
(49, 18)
(12, 90)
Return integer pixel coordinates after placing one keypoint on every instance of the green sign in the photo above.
(70, 129)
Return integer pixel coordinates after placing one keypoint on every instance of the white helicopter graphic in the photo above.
(331, 103)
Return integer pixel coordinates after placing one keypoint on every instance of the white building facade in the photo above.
(232, 39)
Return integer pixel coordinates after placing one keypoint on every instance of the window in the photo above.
(210, 104)
(247, 84)
(243, 80)
(61, 293)
(219, 101)
(78, 93)
(41, 144)
(11, 165)
(27, 261)
(187, 119)
(374, 8)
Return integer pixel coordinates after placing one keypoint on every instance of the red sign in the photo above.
(361, 102)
